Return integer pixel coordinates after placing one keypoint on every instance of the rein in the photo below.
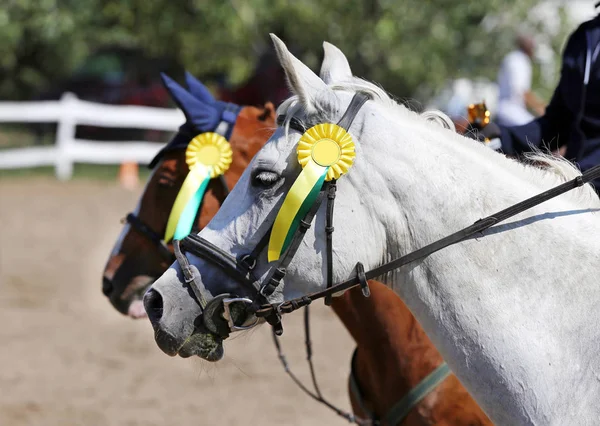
(316, 394)
(395, 415)
(457, 237)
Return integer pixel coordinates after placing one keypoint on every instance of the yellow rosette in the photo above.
(325, 152)
(208, 155)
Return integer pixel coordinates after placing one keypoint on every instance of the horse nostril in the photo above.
(153, 303)
(107, 286)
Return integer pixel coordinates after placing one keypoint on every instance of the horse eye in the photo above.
(265, 179)
(264, 115)
(166, 182)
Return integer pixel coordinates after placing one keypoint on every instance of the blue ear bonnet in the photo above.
(202, 112)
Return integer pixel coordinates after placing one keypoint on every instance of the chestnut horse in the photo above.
(140, 255)
(388, 338)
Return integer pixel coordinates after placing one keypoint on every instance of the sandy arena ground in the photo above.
(68, 358)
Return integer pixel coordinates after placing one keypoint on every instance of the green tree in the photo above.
(403, 45)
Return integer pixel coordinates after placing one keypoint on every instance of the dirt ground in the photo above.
(67, 358)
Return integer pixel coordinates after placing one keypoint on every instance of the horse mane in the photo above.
(291, 105)
(560, 170)
(543, 170)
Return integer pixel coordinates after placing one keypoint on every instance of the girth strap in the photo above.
(402, 408)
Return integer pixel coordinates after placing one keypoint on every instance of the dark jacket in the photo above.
(572, 117)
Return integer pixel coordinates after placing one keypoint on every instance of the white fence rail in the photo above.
(70, 112)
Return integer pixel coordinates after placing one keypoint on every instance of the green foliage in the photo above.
(38, 43)
(403, 45)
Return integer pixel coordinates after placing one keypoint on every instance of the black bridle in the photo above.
(228, 321)
(242, 268)
(144, 229)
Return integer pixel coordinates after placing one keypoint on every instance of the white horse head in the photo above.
(485, 302)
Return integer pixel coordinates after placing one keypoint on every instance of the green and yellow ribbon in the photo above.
(208, 155)
(325, 152)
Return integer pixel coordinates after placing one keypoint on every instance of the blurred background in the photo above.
(444, 54)
(82, 108)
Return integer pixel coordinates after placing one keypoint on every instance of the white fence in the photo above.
(70, 112)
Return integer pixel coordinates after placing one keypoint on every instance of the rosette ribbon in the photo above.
(208, 156)
(325, 152)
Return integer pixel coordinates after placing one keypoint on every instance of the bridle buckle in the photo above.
(248, 261)
(229, 318)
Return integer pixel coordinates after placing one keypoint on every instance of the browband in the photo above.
(358, 100)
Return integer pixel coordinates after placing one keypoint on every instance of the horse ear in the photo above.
(204, 117)
(335, 67)
(198, 89)
(303, 82)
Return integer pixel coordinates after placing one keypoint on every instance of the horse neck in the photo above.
(388, 339)
(436, 182)
(471, 296)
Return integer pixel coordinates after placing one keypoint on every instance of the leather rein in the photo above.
(457, 237)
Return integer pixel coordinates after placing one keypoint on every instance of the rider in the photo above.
(572, 118)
